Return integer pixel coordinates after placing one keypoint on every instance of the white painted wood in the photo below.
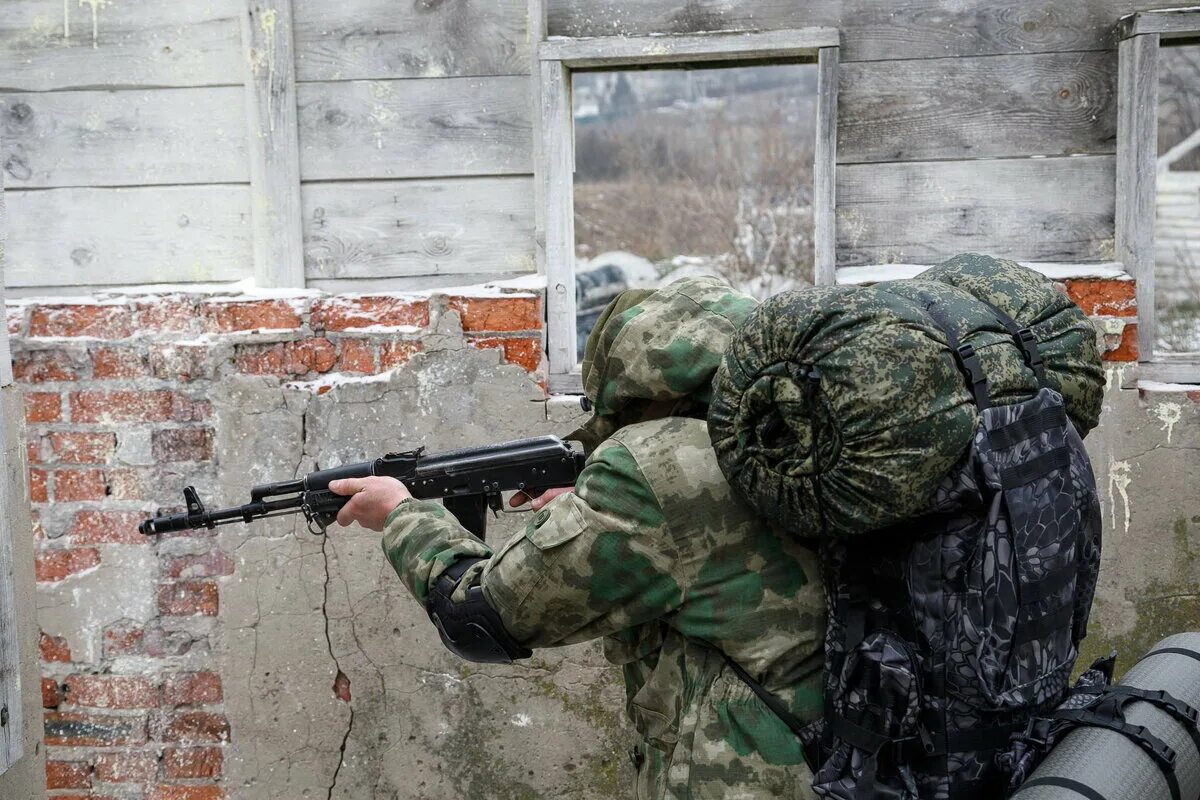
(167, 234)
(1028, 209)
(537, 32)
(274, 144)
(123, 138)
(977, 107)
(613, 51)
(824, 168)
(51, 44)
(12, 723)
(384, 229)
(1167, 23)
(415, 128)
(558, 189)
(1137, 143)
(373, 39)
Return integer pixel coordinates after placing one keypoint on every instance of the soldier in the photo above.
(651, 552)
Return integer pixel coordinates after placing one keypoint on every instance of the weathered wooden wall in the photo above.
(126, 133)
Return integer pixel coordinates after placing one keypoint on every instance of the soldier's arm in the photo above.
(591, 563)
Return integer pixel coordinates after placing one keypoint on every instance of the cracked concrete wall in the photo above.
(335, 682)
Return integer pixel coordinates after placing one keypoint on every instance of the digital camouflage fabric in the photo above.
(654, 554)
(839, 409)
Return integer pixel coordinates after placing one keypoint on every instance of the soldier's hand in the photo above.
(520, 498)
(373, 499)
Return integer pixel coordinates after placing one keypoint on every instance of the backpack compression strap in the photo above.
(968, 359)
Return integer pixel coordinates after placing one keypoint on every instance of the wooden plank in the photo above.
(125, 236)
(559, 192)
(411, 283)
(1032, 209)
(537, 33)
(1174, 372)
(415, 128)
(1137, 137)
(51, 44)
(382, 229)
(871, 30)
(824, 168)
(123, 138)
(1169, 23)
(993, 106)
(274, 144)
(373, 39)
(611, 51)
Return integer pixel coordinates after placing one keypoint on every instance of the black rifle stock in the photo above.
(467, 481)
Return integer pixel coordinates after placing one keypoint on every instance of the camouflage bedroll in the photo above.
(839, 409)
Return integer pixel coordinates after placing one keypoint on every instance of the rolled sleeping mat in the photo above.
(1094, 763)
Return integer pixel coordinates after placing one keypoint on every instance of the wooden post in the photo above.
(1137, 143)
(274, 144)
(536, 33)
(824, 166)
(11, 713)
(559, 192)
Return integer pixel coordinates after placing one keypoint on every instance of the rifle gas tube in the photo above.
(467, 481)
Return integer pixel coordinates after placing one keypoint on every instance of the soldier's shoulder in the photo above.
(677, 459)
(662, 436)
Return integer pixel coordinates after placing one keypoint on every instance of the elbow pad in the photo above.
(471, 629)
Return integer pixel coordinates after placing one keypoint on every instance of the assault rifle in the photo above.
(467, 481)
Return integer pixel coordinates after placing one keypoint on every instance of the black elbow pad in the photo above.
(471, 629)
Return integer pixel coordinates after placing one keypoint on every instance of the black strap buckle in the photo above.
(969, 360)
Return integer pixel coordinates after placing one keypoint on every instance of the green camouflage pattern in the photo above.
(657, 356)
(654, 553)
(866, 445)
(1066, 337)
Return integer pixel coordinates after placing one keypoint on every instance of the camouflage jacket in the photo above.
(653, 553)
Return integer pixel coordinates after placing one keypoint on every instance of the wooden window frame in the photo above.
(557, 57)
(1139, 37)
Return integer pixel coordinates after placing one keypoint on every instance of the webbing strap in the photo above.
(1024, 339)
(1063, 783)
(1028, 427)
(1179, 651)
(1181, 712)
(1020, 474)
(770, 699)
(1156, 748)
(965, 355)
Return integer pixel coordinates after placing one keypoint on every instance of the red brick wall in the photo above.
(118, 419)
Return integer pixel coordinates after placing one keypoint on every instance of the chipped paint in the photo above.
(1169, 414)
(266, 23)
(381, 116)
(1118, 483)
(1114, 376)
(95, 5)
(521, 720)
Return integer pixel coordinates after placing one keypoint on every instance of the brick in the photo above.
(395, 354)
(161, 643)
(228, 317)
(102, 322)
(68, 775)
(170, 791)
(182, 444)
(107, 527)
(192, 689)
(122, 406)
(349, 313)
(356, 355)
(192, 763)
(1121, 346)
(525, 352)
(81, 484)
(123, 640)
(498, 313)
(202, 565)
(286, 358)
(54, 649)
(179, 362)
(125, 483)
(77, 729)
(188, 599)
(33, 450)
(51, 693)
(39, 531)
(14, 316)
(38, 486)
(1097, 297)
(111, 691)
(43, 366)
(73, 447)
(43, 407)
(165, 315)
(114, 363)
(341, 687)
(51, 566)
(132, 767)
(192, 727)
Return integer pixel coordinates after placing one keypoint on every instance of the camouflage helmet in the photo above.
(658, 347)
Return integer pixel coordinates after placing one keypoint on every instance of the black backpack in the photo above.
(947, 634)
